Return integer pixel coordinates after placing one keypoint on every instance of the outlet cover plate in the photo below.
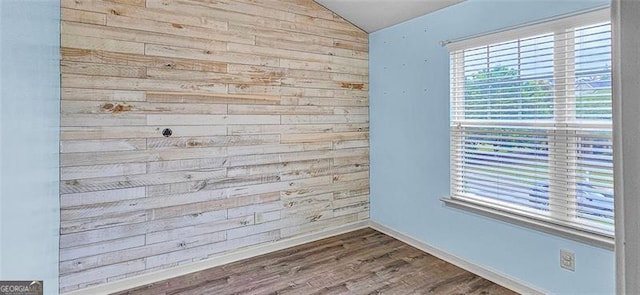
(567, 260)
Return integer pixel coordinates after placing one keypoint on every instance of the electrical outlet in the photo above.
(258, 217)
(567, 260)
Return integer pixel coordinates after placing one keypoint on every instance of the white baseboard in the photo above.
(491, 275)
(145, 279)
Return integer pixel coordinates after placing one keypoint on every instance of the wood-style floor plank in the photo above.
(359, 262)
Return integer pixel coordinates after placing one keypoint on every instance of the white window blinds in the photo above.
(531, 122)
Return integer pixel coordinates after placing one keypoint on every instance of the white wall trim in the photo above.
(618, 160)
(489, 274)
(149, 278)
(626, 107)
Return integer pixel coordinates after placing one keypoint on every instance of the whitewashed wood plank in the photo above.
(111, 233)
(337, 93)
(295, 128)
(298, 55)
(254, 208)
(349, 144)
(118, 83)
(160, 197)
(76, 278)
(182, 97)
(352, 209)
(101, 95)
(321, 189)
(262, 72)
(211, 119)
(363, 215)
(130, 132)
(124, 107)
(257, 72)
(219, 204)
(276, 148)
(319, 225)
(312, 83)
(94, 171)
(278, 110)
(92, 198)
(267, 26)
(83, 16)
(359, 158)
(322, 66)
(205, 251)
(106, 7)
(286, 170)
(92, 120)
(348, 44)
(210, 141)
(130, 35)
(94, 69)
(307, 155)
(117, 182)
(351, 110)
(326, 49)
(211, 55)
(108, 57)
(271, 129)
(344, 194)
(129, 2)
(218, 33)
(322, 101)
(144, 251)
(307, 205)
(351, 176)
(108, 145)
(278, 224)
(316, 119)
(183, 195)
(199, 229)
(307, 8)
(170, 189)
(241, 7)
(261, 217)
(85, 42)
(86, 224)
(174, 74)
(215, 30)
(286, 173)
(323, 137)
(342, 77)
(99, 248)
(242, 181)
(191, 164)
(354, 200)
(340, 30)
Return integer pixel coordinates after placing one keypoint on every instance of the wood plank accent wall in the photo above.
(268, 104)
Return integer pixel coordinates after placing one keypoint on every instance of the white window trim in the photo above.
(603, 14)
(534, 221)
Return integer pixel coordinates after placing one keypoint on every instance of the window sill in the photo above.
(592, 239)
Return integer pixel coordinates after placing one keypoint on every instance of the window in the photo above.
(531, 123)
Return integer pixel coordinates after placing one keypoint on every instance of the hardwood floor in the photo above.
(359, 262)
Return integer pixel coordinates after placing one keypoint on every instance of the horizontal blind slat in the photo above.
(531, 126)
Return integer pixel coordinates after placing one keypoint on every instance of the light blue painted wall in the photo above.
(29, 131)
(409, 113)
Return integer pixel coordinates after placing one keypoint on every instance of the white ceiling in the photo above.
(373, 15)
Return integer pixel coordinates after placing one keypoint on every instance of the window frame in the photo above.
(558, 28)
